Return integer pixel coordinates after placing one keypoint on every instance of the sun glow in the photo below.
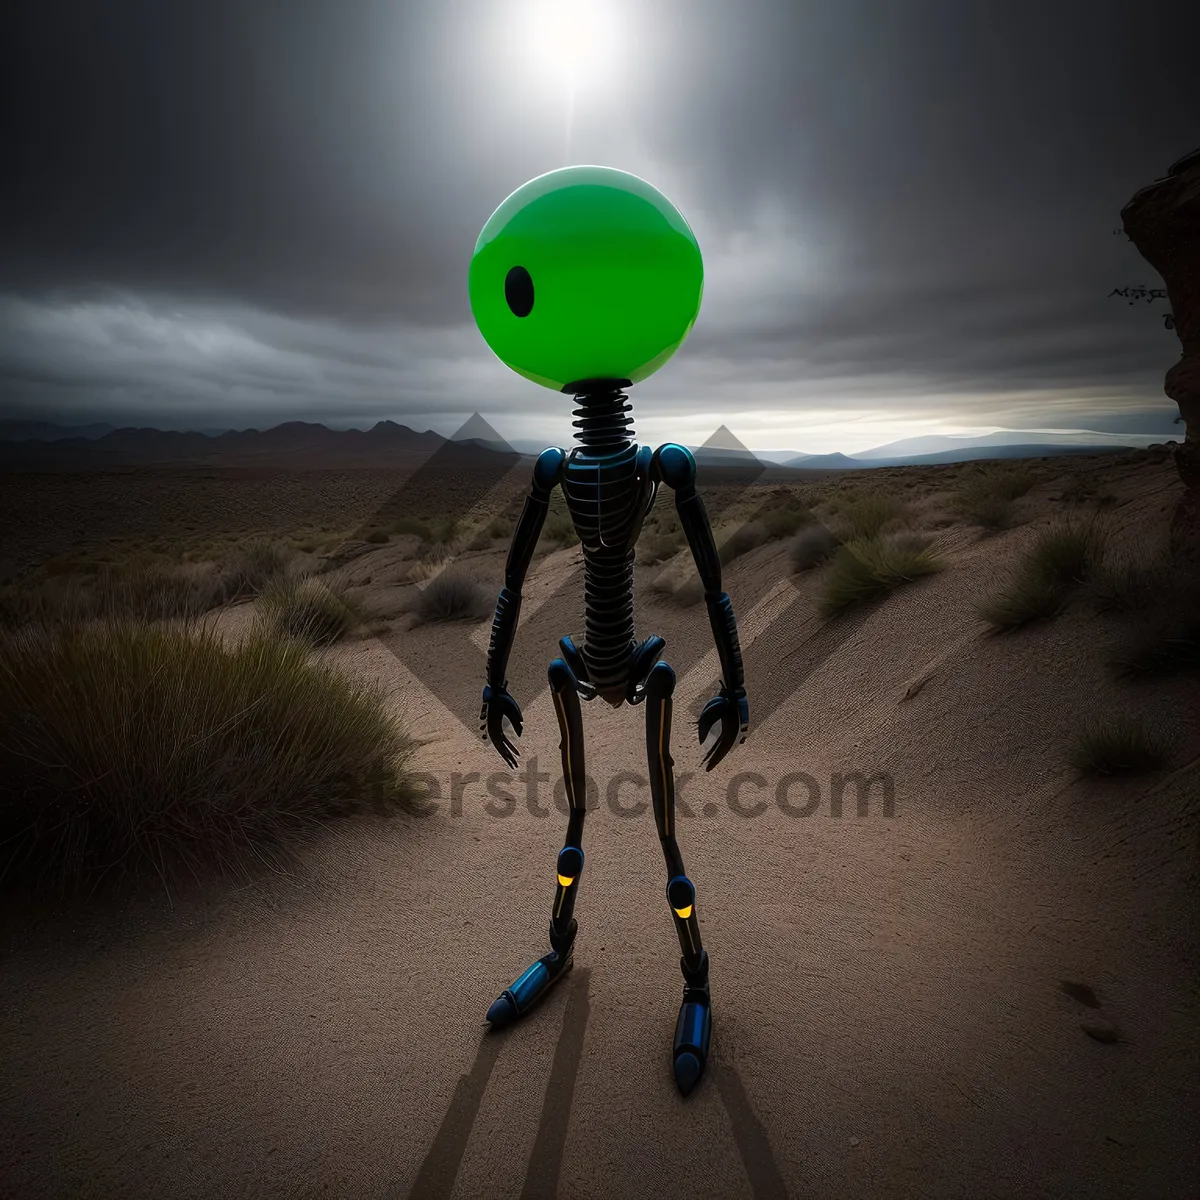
(574, 40)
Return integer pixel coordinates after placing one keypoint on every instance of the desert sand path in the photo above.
(888, 1016)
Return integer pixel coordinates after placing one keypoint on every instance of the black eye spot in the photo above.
(518, 291)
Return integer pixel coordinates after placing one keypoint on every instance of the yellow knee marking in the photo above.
(683, 913)
(566, 880)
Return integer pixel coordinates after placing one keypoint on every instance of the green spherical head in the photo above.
(585, 273)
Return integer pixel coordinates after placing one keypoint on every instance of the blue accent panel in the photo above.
(570, 861)
(548, 469)
(681, 892)
(677, 465)
(531, 985)
(693, 1028)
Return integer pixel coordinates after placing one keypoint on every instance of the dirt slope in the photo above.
(888, 1015)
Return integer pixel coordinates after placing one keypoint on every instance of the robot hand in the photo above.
(498, 704)
(731, 709)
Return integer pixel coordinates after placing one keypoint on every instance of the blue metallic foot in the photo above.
(503, 1010)
(687, 1071)
(517, 1000)
(693, 1032)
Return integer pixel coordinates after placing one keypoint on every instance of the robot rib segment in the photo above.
(608, 619)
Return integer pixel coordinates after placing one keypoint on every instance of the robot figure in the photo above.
(586, 280)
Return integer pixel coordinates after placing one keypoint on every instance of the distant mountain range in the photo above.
(295, 444)
(42, 445)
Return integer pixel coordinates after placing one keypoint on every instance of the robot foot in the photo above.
(517, 1000)
(693, 1032)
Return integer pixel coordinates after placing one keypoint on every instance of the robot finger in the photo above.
(708, 716)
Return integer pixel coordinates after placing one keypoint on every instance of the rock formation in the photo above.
(1163, 222)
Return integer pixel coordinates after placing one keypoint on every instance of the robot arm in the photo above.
(675, 465)
(497, 703)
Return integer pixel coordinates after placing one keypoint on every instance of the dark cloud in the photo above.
(268, 209)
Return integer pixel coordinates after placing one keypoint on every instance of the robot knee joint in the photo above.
(570, 865)
(560, 675)
(661, 680)
(681, 895)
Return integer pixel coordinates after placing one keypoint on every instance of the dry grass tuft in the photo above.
(1123, 583)
(987, 496)
(453, 596)
(861, 518)
(867, 568)
(150, 590)
(412, 525)
(1164, 646)
(783, 520)
(1062, 558)
(494, 530)
(812, 546)
(127, 747)
(253, 565)
(1120, 746)
(309, 609)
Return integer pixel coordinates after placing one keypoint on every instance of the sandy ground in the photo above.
(889, 1019)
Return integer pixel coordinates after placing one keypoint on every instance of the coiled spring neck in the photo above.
(602, 420)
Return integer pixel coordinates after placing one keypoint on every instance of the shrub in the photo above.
(126, 746)
(453, 596)
(1023, 598)
(865, 517)
(783, 521)
(149, 590)
(308, 609)
(813, 546)
(991, 511)
(1162, 647)
(1124, 584)
(987, 496)
(1119, 746)
(497, 527)
(412, 525)
(253, 565)
(156, 592)
(866, 568)
(1061, 558)
(47, 601)
(1065, 555)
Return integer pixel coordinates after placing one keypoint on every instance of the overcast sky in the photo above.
(235, 213)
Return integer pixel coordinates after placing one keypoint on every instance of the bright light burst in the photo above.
(575, 40)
